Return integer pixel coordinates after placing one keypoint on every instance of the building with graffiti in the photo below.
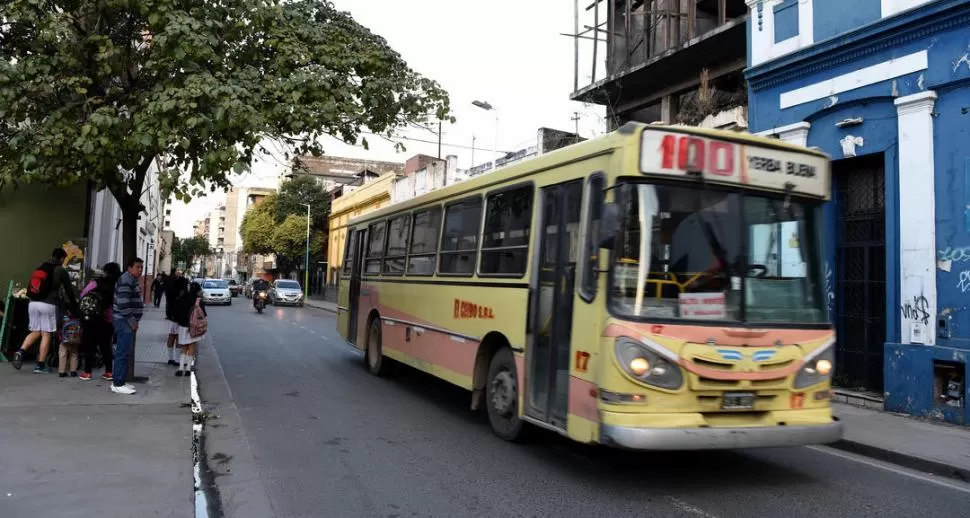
(883, 86)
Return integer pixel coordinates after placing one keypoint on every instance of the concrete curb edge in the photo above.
(901, 459)
(321, 308)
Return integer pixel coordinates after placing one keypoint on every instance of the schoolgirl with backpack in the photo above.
(96, 321)
(191, 316)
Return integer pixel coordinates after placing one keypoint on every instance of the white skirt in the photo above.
(174, 329)
(185, 337)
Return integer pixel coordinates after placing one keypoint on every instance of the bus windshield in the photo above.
(717, 255)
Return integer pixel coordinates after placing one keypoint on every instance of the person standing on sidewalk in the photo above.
(97, 327)
(185, 309)
(127, 311)
(174, 288)
(158, 288)
(49, 285)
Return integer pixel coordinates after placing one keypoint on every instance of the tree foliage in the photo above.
(185, 251)
(289, 242)
(258, 226)
(296, 193)
(102, 91)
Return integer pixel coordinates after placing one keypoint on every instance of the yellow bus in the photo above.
(657, 288)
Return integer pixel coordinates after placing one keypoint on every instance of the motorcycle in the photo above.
(260, 301)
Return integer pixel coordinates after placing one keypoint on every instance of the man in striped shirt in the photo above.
(127, 312)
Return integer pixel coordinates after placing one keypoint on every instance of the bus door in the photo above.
(552, 302)
(357, 243)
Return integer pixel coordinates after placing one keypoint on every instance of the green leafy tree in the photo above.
(185, 251)
(299, 191)
(258, 226)
(102, 91)
(289, 243)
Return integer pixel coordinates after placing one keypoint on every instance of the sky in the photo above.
(508, 53)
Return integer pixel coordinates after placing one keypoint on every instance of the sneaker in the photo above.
(179, 373)
(84, 376)
(18, 360)
(61, 374)
(124, 389)
(72, 374)
(40, 369)
(107, 376)
(173, 362)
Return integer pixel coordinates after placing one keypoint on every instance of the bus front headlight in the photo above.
(818, 367)
(647, 366)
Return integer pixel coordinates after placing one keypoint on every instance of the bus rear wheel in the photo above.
(502, 397)
(374, 357)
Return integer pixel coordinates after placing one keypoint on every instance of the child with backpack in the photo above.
(96, 321)
(193, 324)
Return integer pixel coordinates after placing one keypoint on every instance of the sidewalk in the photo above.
(73, 448)
(940, 449)
(321, 304)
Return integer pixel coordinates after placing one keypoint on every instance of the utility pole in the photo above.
(439, 140)
(575, 119)
(473, 151)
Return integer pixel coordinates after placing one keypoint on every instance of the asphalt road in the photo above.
(329, 439)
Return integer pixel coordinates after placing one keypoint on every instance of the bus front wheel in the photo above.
(502, 397)
(376, 363)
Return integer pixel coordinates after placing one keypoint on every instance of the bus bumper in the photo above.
(719, 438)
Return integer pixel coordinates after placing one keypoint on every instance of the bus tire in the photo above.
(377, 364)
(502, 397)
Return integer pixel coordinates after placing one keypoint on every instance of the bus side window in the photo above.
(459, 245)
(594, 214)
(424, 241)
(505, 240)
(349, 251)
(375, 247)
(397, 244)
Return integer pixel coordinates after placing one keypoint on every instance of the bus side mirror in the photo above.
(609, 225)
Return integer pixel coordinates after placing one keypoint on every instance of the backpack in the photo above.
(70, 330)
(41, 282)
(90, 305)
(198, 323)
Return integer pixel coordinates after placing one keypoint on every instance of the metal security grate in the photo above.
(860, 271)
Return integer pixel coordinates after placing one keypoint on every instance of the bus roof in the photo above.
(627, 135)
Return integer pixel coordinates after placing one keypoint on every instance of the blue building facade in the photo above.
(883, 87)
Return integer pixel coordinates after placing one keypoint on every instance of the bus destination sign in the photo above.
(729, 162)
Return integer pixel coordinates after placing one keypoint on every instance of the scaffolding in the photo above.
(633, 32)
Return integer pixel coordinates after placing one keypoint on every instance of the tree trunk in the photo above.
(129, 232)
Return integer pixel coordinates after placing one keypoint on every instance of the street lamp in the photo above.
(306, 263)
(489, 108)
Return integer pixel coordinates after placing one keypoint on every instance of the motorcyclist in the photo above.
(259, 285)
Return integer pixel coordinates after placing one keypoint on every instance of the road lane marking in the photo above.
(894, 469)
(688, 508)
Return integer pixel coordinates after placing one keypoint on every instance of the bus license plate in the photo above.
(737, 401)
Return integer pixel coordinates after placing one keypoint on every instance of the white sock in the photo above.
(184, 361)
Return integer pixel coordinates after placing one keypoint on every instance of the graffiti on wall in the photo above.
(916, 310)
(964, 283)
(954, 254)
(829, 288)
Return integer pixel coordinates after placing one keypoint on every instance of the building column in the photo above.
(917, 219)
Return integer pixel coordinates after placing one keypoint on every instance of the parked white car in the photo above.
(216, 291)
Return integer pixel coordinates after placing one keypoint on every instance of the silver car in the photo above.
(216, 291)
(286, 292)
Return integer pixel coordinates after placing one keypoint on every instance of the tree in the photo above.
(257, 227)
(103, 91)
(187, 250)
(296, 193)
(289, 243)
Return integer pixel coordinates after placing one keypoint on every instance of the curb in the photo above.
(901, 459)
(321, 308)
(207, 502)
